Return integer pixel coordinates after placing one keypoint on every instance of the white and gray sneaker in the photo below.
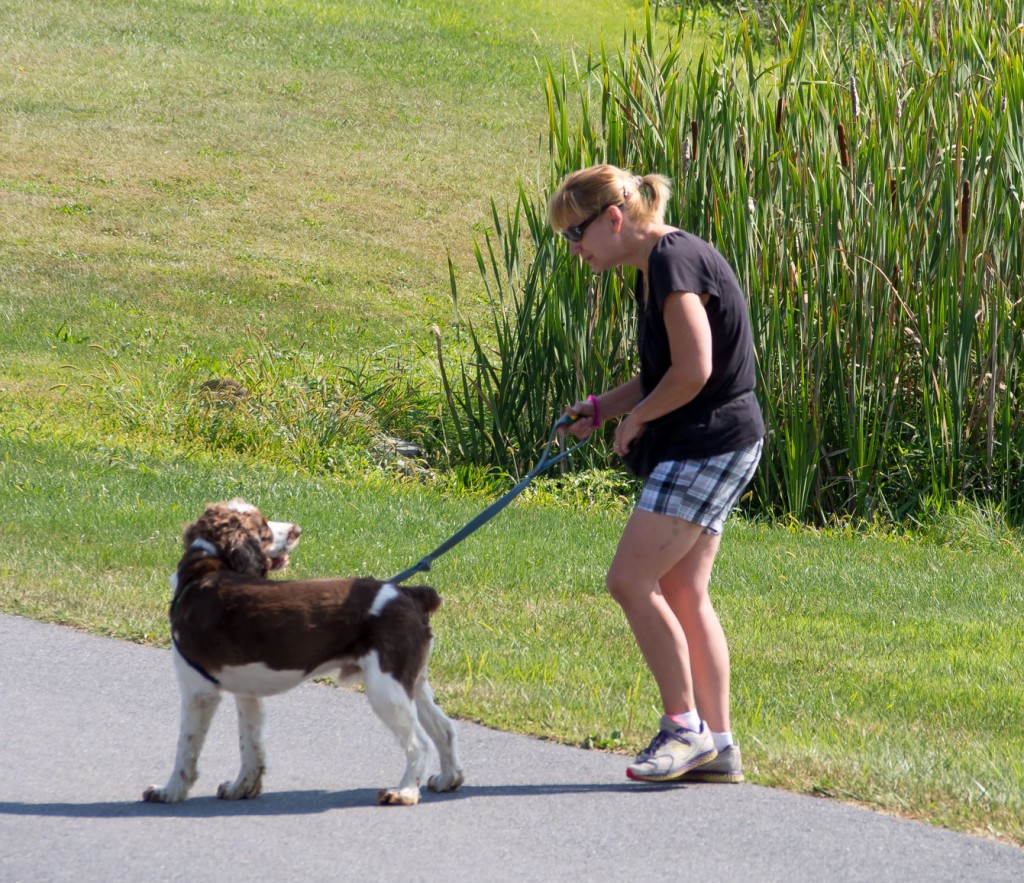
(673, 753)
(727, 767)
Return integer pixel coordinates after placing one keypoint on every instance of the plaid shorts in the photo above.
(700, 491)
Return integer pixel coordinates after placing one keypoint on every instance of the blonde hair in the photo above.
(581, 194)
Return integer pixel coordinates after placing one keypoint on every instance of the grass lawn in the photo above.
(186, 187)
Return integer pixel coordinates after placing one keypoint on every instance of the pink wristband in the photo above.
(597, 414)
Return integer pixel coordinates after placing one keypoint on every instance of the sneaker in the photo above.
(674, 752)
(727, 767)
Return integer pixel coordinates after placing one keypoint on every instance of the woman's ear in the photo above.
(616, 216)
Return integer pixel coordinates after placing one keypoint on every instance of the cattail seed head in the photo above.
(686, 158)
(693, 140)
(854, 98)
(778, 114)
(844, 150)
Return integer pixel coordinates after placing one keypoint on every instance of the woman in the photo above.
(692, 427)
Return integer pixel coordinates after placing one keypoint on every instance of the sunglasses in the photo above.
(575, 233)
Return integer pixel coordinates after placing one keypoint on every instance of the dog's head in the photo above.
(243, 538)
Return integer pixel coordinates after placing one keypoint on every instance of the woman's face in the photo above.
(596, 238)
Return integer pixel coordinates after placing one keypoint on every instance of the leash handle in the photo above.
(545, 462)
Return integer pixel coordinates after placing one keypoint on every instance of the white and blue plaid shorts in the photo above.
(701, 491)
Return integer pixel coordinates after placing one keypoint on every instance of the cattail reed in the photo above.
(892, 191)
(779, 108)
(693, 140)
(684, 160)
(965, 208)
(741, 146)
(844, 150)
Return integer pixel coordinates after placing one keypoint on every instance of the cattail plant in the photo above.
(890, 367)
(844, 150)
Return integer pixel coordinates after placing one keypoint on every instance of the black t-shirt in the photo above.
(724, 416)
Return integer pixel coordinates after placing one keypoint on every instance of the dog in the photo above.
(234, 630)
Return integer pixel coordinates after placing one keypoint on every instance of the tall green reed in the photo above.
(864, 175)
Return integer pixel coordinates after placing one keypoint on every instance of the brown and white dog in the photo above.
(236, 630)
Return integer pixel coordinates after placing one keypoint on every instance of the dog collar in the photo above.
(206, 546)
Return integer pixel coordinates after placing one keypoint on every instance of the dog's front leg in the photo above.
(250, 742)
(197, 708)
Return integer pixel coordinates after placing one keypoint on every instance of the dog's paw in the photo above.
(156, 794)
(398, 796)
(446, 780)
(240, 789)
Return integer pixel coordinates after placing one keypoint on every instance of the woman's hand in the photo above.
(627, 432)
(583, 425)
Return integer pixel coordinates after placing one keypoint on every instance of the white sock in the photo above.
(722, 740)
(688, 719)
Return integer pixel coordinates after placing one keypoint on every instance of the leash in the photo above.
(495, 507)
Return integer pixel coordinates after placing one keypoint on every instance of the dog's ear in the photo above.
(243, 550)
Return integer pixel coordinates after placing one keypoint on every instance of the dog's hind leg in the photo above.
(199, 700)
(442, 732)
(393, 706)
(250, 742)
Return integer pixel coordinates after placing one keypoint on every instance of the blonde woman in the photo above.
(689, 424)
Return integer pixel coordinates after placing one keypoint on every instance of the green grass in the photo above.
(270, 191)
(866, 667)
(175, 172)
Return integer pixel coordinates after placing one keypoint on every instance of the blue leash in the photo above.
(498, 505)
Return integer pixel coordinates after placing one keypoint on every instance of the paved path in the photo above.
(86, 723)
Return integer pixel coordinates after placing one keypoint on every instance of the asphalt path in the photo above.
(86, 723)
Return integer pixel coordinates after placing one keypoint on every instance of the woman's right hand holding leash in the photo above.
(585, 417)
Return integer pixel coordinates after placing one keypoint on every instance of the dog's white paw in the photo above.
(446, 780)
(156, 794)
(398, 796)
(241, 789)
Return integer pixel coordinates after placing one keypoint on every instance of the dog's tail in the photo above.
(425, 598)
